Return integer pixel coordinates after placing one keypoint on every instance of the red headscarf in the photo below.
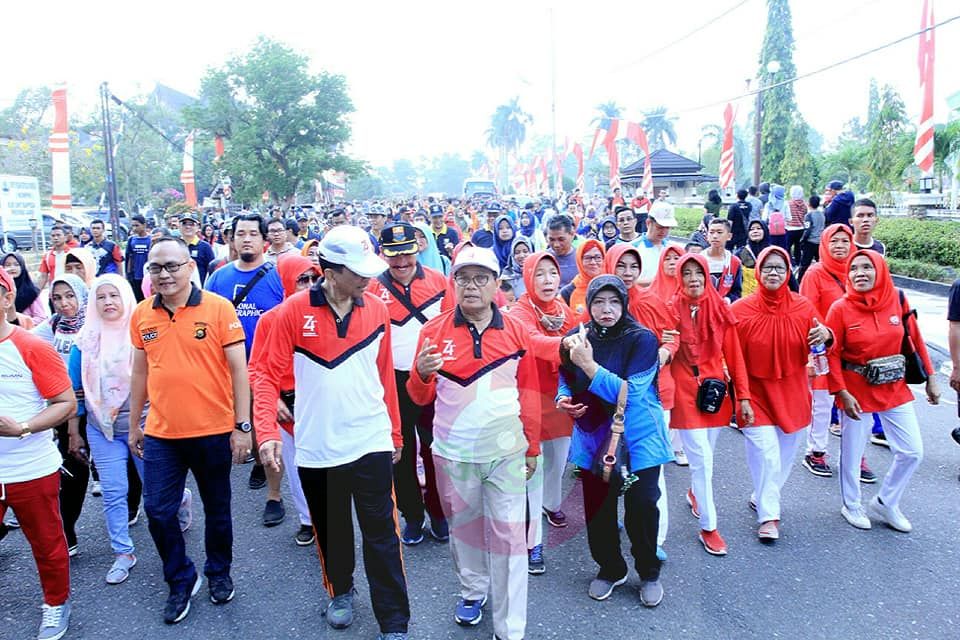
(837, 268)
(554, 312)
(664, 286)
(701, 337)
(773, 319)
(884, 293)
(610, 261)
(290, 266)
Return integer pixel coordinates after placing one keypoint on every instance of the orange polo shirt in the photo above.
(188, 378)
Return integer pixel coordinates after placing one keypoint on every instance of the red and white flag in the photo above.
(186, 176)
(613, 157)
(726, 151)
(923, 148)
(578, 154)
(218, 148)
(646, 183)
(544, 176)
(60, 152)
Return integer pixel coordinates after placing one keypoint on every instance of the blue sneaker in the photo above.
(412, 533)
(535, 563)
(661, 554)
(469, 612)
(439, 529)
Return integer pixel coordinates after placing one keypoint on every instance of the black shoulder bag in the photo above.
(915, 372)
(264, 269)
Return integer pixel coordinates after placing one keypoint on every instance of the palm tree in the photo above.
(508, 130)
(659, 127)
(607, 110)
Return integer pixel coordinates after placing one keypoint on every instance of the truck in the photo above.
(479, 188)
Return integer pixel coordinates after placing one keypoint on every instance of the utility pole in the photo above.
(553, 103)
(757, 129)
(108, 154)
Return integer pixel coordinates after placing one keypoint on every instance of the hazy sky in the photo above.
(426, 77)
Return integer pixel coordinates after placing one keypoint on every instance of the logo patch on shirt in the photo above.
(199, 330)
(309, 326)
(895, 320)
(149, 335)
(385, 296)
(447, 351)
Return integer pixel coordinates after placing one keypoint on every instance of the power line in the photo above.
(808, 74)
(176, 145)
(682, 38)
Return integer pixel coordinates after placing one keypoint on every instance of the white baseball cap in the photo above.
(476, 257)
(351, 247)
(662, 213)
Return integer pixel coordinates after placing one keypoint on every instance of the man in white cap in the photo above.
(336, 339)
(651, 244)
(476, 364)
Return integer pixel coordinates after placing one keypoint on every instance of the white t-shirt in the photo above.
(30, 373)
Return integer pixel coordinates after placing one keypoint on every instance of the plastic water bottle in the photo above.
(818, 353)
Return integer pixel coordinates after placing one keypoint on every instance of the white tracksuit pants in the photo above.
(820, 422)
(770, 454)
(287, 453)
(699, 445)
(544, 490)
(903, 434)
(662, 503)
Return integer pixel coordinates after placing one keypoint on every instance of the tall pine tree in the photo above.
(798, 166)
(778, 102)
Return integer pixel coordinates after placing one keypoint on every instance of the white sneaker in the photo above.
(185, 512)
(892, 516)
(55, 621)
(680, 458)
(95, 489)
(856, 517)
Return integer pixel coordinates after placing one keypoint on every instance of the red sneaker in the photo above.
(713, 543)
(692, 501)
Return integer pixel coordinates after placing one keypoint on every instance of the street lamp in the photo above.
(772, 67)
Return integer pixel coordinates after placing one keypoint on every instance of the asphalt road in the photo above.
(822, 579)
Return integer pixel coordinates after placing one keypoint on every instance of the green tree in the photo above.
(22, 125)
(846, 163)
(798, 165)
(367, 185)
(445, 174)
(403, 177)
(659, 127)
(609, 109)
(282, 124)
(946, 141)
(778, 102)
(873, 103)
(889, 146)
(508, 130)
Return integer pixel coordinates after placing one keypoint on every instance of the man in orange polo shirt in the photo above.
(189, 343)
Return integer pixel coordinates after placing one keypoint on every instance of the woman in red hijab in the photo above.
(624, 261)
(776, 327)
(665, 282)
(709, 349)
(549, 319)
(823, 284)
(868, 324)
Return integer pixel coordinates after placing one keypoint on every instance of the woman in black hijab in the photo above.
(27, 292)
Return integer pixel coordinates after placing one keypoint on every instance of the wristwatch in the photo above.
(243, 427)
(24, 430)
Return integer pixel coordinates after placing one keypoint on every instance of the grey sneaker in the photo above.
(601, 589)
(120, 570)
(55, 621)
(340, 610)
(651, 593)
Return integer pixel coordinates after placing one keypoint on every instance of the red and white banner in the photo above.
(186, 176)
(544, 176)
(578, 154)
(726, 151)
(60, 152)
(923, 148)
(218, 148)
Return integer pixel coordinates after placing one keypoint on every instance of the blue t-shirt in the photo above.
(228, 281)
(136, 256)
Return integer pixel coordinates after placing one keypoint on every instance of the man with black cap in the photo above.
(483, 236)
(200, 250)
(447, 237)
(413, 294)
(837, 204)
(304, 233)
(336, 338)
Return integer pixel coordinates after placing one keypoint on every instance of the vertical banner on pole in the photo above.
(923, 148)
(727, 177)
(60, 152)
(186, 176)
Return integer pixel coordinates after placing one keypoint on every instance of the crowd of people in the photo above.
(491, 345)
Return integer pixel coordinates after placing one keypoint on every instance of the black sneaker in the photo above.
(273, 513)
(816, 463)
(221, 589)
(866, 475)
(879, 439)
(305, 536)
(178, 603)
(258, 477)
(412, 533)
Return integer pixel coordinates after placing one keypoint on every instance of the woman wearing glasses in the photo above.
(777, 329)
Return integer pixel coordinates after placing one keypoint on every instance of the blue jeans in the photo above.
(165, 466)
(111, 457)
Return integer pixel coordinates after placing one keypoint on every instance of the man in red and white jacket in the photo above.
(413, 294)
(336, 339)
(36, 395)
(476, 364)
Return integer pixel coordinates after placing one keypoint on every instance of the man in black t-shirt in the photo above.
(953, 339)
(739, 214)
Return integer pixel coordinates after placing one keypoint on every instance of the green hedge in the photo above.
(921, 270)
(935, 242)
(689, 219)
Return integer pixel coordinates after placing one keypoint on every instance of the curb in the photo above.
(923, 286)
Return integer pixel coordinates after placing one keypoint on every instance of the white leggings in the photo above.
(544, 488)
(820, 422)
(699, 445)
(287, 452)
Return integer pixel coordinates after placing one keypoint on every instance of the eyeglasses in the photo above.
(479, 280)
(779, 270)
(170, 267)
(593, 258)
(308, 279)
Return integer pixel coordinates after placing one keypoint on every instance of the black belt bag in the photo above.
(880, 370)
(711, 392)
